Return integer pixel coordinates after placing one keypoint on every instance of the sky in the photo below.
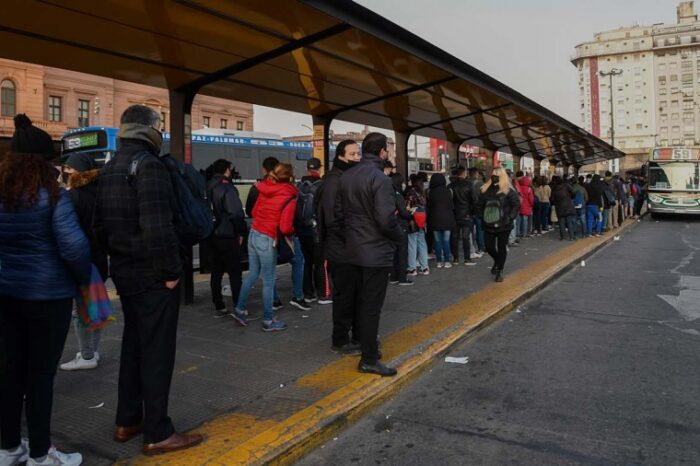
(525, 44)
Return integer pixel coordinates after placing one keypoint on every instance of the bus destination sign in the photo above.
(675, 153)
(81, 141)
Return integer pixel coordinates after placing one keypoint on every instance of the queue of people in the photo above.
(348, 235)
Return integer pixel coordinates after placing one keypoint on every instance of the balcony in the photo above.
(55, 129)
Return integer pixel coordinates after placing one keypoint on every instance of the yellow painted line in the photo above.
(273, 442)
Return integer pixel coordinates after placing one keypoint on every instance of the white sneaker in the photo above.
(474, 255)
(440, 265)
(14, 457)
(81, 364)
(448, 265)
(56, 458)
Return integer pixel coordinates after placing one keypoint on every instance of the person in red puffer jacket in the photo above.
(273, 213)
(527, 201)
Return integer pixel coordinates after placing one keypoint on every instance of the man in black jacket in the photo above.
(364, 212)
(594, 206)
(347, 155)
(229, 230)
(464, 208)
(134, 223)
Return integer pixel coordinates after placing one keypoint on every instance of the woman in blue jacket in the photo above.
(44, 255)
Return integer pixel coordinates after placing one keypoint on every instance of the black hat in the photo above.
(81, 162)
(313, 163)
(28, 139)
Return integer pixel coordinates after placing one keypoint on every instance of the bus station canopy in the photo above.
(330, 59)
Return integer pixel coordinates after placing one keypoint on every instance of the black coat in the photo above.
(440, 208)
(463, 199)
(332, 237)
(563, 199)
(595, 192)
(83, 193)
(364, 213)
(228, 210)
(510, 206)
(134, 220)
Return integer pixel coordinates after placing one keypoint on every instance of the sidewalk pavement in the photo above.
(260, 397)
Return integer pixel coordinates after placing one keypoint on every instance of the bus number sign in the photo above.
(81, 142)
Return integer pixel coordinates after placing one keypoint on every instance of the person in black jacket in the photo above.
(464, 207)
(499, 205)
(343, 280)
(563, 200)
(83, 176)
(594, 206)
(399, 274)
(441, 218)
(226, 240)
(364, 214)
(134, 223)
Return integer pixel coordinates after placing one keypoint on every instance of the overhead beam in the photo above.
(465, 115)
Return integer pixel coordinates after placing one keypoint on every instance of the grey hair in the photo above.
(140, 114)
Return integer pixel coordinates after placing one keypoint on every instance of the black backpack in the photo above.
(193, 217)
(305, 215)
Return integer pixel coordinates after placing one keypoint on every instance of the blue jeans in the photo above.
(262, 260)
(581, 218)
(88, 341)
(513, 236)
(442, 245)
(593, 219)
(546, 214)
(606, 213)
(479, 224)
(417, 246)
(523, 221)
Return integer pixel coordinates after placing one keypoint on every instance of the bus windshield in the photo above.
(674, 176)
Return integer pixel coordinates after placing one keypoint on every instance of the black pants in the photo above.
(315, 277)
(225, 258)
(497, 247)
(401, 259)
(371, 292)
(147, 361)
(32, 335)
(463, 234)
(345, 297)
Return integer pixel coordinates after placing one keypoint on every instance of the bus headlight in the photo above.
(656, 199)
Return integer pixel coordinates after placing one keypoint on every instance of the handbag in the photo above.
(93, 304)
(285, 248)
(419, 217)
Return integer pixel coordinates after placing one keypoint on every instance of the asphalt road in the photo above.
(601, 367)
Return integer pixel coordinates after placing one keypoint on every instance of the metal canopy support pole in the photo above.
(402, 153)
(577, 168)
(322, 141)
(537, 165)
(453, 151)
(181, 149)
(516, 162)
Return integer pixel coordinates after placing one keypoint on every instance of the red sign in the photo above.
(595, 102)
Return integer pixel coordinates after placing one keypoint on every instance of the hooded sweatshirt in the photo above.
(440, 207)
(527, 196)
(274, 208)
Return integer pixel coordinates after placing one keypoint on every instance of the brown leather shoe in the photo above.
(124, 434)
(172, 443)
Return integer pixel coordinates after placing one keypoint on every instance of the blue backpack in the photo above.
(193, 218)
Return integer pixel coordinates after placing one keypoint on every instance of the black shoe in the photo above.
(494, 269)
(348, 349)
(300, 304)
(277, 305)
(378, 368)
(499, 276)
(406, 283)
(221, 312)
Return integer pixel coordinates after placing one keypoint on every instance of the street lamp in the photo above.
(610, 74)
(307, 126)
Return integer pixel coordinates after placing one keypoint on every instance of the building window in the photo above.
(83, 113)
(206, 121)
(673, 77)
(224, 123)
(674, 116)
(664, 142)
(239, 125)
(676, 129)
(55, 108)
(8, 98)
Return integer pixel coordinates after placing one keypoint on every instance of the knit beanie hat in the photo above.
(81, 162)
(28, 139)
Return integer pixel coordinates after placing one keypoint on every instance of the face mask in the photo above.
(494, 179)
